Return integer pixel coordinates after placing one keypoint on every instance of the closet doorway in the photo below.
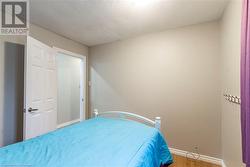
(71, 79)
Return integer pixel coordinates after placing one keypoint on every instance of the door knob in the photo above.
(32, 109)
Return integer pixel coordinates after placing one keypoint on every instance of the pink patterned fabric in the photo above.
(245, 82)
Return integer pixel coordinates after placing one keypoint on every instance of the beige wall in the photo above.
(174, 74)
(44, 36)
(230, 50)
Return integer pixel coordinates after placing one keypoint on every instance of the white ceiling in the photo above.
(94, 22)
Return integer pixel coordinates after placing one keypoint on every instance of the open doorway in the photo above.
(12, 125)
(71, 69)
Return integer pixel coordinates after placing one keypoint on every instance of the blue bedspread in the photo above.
(98, 142)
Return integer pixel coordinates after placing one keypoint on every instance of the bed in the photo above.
(98, 142)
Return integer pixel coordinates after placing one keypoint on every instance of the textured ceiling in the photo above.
(93, 22)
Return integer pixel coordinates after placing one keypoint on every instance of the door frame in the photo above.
(83, 81)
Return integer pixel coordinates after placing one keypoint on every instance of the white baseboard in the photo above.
(223, 164)
(204, 158)
(68, 123)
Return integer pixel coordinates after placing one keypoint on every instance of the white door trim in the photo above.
(83, 80)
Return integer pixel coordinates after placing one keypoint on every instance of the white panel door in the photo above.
(40, 114)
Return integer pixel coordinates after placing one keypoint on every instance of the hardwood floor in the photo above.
(186, 162)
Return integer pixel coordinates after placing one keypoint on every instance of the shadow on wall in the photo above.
(107, 97)
(13, 93)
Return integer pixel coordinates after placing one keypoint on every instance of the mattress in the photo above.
(98, 142)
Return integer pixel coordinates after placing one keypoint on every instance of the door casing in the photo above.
(82, 83)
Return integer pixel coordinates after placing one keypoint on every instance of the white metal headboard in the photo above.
(121, 114)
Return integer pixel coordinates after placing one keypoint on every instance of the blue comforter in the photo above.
(98, 142)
